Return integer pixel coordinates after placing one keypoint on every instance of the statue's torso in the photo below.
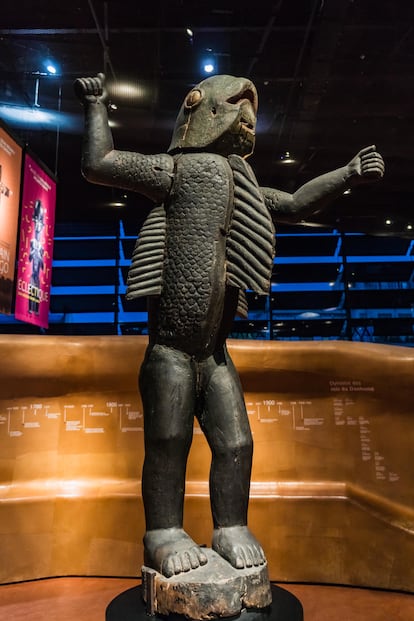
(210, 240)
(192, 296)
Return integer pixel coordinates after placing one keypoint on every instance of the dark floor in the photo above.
(86, 599)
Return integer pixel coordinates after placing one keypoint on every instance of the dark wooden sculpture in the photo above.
(209, 238)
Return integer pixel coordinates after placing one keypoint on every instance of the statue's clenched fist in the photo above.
(91, 90)
(366, 166)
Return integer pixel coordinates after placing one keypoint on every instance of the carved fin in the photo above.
(250, 243)
(145, 273)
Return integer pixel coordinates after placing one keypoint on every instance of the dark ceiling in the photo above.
(332, 76)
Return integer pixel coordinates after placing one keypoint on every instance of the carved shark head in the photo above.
(218, 115)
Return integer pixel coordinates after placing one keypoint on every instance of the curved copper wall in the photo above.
(332, 495)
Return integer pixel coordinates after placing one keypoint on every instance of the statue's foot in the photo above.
(238, 546)
(171, 551)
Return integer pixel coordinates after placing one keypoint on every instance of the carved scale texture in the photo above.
(151, 175)
(251, 238)
(194, 267)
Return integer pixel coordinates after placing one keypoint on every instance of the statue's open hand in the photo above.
(91, 90)
(366, 166)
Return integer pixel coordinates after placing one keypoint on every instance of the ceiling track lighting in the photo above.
(287, 158)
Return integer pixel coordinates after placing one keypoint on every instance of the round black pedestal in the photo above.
(129, 606)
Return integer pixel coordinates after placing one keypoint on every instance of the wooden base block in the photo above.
(130, 606)
(215, 590)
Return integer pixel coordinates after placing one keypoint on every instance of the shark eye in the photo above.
(193, 98)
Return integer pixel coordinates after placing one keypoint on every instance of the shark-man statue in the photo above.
(208, 239)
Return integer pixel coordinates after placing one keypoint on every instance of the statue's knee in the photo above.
(168, 445)
(245, 448)
(237, 447)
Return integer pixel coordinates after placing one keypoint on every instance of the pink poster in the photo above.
(10, 170)
(37, 222)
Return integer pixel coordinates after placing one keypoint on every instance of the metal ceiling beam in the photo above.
(266, 34)
(298, 66)
(103, 39)
(141, 30)
(24, 32)
(322, 52)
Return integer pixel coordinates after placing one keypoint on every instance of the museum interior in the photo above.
(325, 360)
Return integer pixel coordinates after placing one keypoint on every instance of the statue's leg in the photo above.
(168, 389)
(225, 422)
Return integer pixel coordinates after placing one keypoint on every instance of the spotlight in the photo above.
(50, 67)
(190, 33)
(287, 158)
(209, 61)
(208, 66)
(132, 92)
(388, 222)
(21, 116)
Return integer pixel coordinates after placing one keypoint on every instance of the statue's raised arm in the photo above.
(367, 166)
(150, 175)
